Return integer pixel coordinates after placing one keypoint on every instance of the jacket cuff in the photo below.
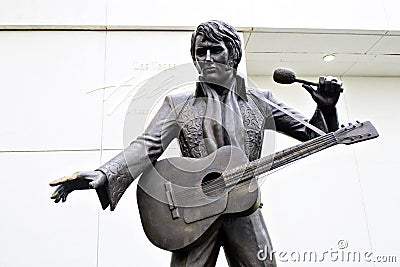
(103, 196)
(118, 180)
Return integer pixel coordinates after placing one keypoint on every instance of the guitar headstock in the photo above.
(354, 133)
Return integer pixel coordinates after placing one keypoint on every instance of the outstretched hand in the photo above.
(77, 181)
(327, 94)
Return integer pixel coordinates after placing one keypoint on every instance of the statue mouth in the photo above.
(210, 69)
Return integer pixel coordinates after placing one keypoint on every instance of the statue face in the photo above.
(212, 60)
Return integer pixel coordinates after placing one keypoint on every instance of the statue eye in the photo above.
(200, 52)
(218, 50)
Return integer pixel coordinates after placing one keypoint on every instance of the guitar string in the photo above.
(199, 195)
(195, 197)
(261, 170)
(217, 185)
(247, 167)
(248, 170)
(279, 157)
(248, 181)
(328, 138)
(282, 154)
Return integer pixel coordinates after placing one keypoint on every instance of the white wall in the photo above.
(50, 128)
(339, 14)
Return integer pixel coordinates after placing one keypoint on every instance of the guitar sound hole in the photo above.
(213, 185)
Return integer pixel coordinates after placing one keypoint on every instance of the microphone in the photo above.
(287, 76)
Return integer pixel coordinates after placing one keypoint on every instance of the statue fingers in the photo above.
(325, 85)
(57, 198)
(337, 87)
(61, 197)
(64, 197)
(309, 89)
(61, 192)
(57, 192)
(65, 179)
(315, 94)
(54, 195)
(331, 86)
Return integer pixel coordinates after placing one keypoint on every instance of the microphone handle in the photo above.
(306, 82)
(312, 83)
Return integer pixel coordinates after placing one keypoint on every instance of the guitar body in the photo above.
(182, 200)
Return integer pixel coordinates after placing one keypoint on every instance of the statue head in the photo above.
(217, 31)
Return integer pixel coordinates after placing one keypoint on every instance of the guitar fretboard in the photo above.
(277, 160)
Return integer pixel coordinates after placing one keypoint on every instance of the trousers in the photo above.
(242, 239)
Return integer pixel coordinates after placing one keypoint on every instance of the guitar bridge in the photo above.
(171, 201)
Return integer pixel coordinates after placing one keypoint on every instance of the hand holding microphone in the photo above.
(328, 88)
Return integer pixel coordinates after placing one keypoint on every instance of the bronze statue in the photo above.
(221, 111)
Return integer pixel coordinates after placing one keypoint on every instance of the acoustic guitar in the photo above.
(182, 200)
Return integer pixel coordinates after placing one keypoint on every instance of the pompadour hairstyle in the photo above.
(216, 31)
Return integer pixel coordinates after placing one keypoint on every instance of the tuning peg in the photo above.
(342, 126)
(358, 121)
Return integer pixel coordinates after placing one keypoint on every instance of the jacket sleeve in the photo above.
(141, 154)
(291, 127)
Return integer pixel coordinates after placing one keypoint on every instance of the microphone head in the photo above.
(284, 76)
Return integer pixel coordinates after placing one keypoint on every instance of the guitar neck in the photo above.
(278, 160)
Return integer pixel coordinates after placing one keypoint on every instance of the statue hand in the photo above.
(328, 92)
(77, 181)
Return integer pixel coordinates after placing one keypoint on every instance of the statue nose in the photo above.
(208, 55)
